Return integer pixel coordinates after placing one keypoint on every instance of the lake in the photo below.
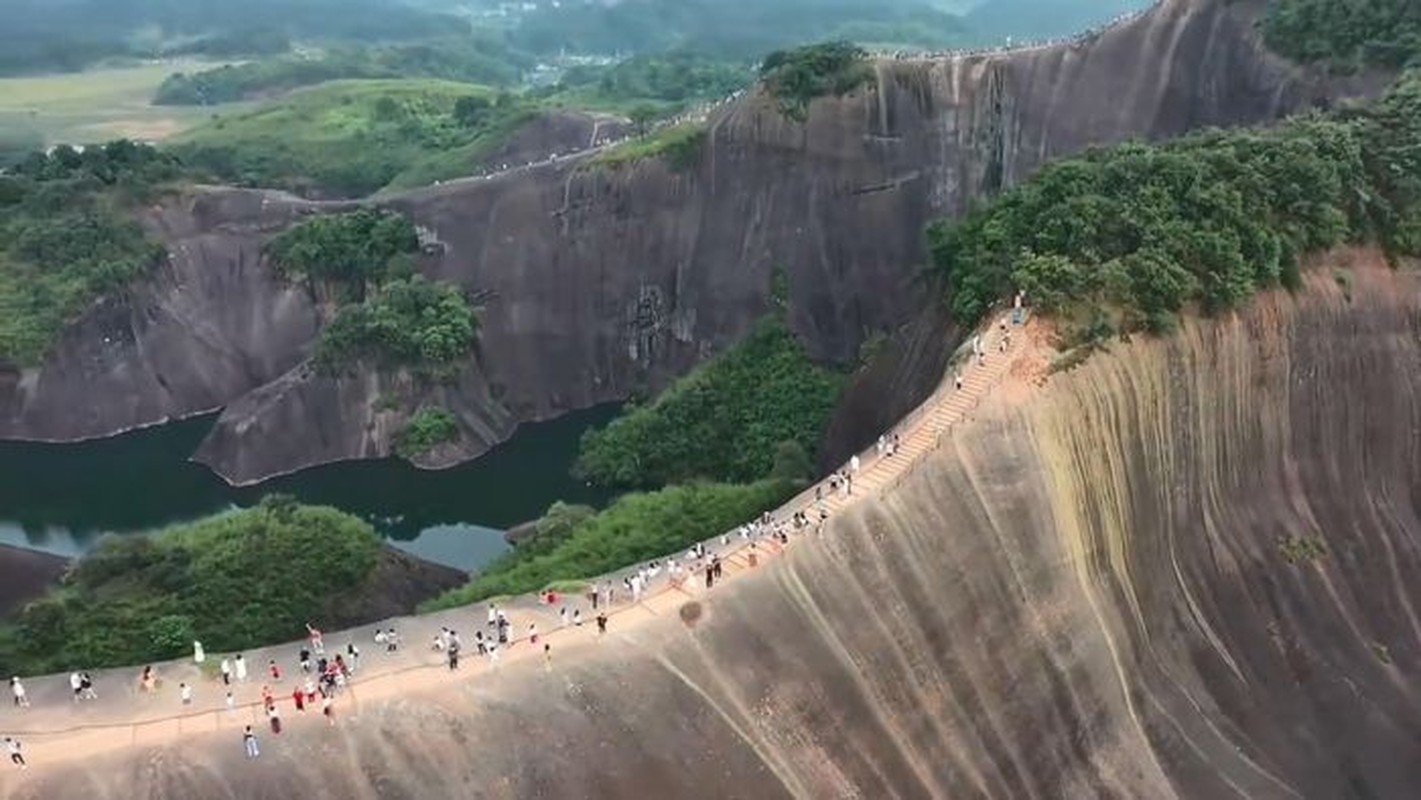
(61, 498)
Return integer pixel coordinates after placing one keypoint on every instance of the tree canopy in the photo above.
(1347, 34)
(1127, 236)
(795, 77)
(233, 581)
(411, 322)
(66, 238)
(721, 422)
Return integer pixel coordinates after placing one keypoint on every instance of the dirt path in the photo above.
(55, 728)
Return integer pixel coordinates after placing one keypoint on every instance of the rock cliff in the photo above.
(1188, 569)
(596, 282)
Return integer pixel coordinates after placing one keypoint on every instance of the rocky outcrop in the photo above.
(1094, 590)
(595, 283)
(26, 575)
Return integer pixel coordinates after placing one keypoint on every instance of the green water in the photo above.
(61, 497)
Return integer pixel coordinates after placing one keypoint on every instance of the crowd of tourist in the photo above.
(319, 678)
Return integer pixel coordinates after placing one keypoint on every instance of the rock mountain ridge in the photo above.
(595, 283)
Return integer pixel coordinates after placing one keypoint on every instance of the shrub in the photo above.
(795, 77)
(635, 528)
(721, 422)
(352, 249)
(428, 428)
(1346, 34)
(66, 239)
(411, 323)
(232, 581)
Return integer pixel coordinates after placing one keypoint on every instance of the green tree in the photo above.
(232, 581)
(723, 421)
(642, 117)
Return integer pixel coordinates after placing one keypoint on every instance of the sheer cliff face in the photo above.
(595, 283)
(1086, 593)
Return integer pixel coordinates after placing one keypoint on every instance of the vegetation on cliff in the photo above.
(669, 81)
(393, 318)
(635, 528)
(428, 428)
(679, 145)
(351, 138)
(484, 59)
(1126, 237)
(233, 581)
(66, 237)
(795, 77)
(354, 250)
(721, 422)
(411, 323)
(1346, 34)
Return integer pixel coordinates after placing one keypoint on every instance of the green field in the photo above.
(355, 137)
(96, 105)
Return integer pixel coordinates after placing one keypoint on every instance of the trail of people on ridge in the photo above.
(56, 727)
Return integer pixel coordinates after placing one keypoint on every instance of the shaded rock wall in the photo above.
(1081, 596)
(596, 283)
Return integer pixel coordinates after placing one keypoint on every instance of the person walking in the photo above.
(198, 654)
(354, 653)
(239, 666)
(318, 642)
(853, 465)
(453, 651)
(17, 688)
(601, 623)
(274, 670)
(299, 698)
(16, 757)
(274, 719)
(328, 710)
(249, 743)
(185, 692)
(231, 703)
(226, 671)
(86, 687)
(303, 657)
(76, 683)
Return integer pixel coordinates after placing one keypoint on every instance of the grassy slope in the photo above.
(345, 135)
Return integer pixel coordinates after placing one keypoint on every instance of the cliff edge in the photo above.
(1186, 569)
(595, 282)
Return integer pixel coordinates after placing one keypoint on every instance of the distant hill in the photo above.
(56, 35)
(732, 29)
(994, 20)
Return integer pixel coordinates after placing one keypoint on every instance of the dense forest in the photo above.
(1347, 35)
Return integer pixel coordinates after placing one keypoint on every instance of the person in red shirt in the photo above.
(300, 698)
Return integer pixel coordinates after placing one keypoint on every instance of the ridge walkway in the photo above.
(56, 728)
